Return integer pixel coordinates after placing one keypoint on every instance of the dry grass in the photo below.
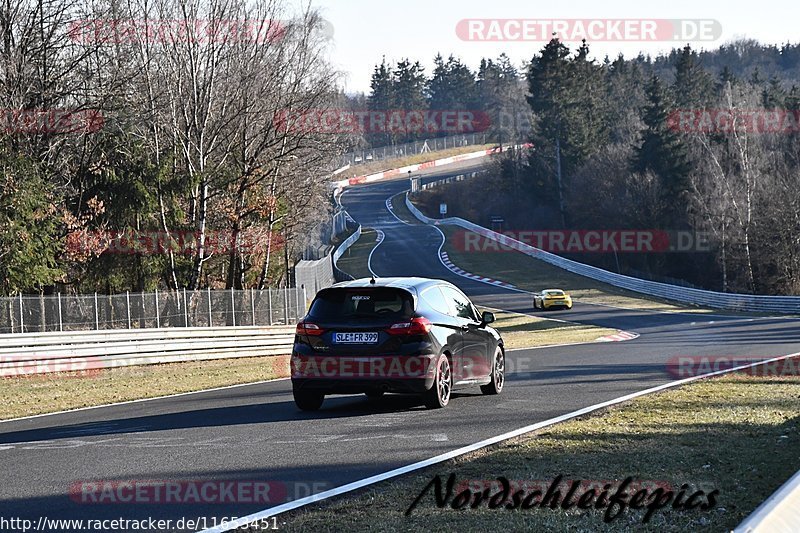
(38, 394)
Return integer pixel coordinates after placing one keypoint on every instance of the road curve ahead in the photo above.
(255, 433)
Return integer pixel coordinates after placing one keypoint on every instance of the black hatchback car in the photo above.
(402, 335)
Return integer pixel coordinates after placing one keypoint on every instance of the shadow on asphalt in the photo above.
(256, 413)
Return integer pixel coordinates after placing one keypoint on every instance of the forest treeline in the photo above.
(139, 147)
(705, 143)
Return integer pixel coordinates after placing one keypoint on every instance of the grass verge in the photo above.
(47, 393)
(738, 435)
(401, 210)
(523, 331)
(534, 275)
(354, 260)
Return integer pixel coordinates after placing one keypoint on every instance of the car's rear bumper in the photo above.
(353, 375)
(563, 305)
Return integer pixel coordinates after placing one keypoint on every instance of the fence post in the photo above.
(253, 303)
(233, 309)
(158, 315)
(286, 304)
(128, 306)
(96, 313)
(269, 294)
(185, 309)
(210, 322)
(305, 299)
(21, 317)
(60, 317)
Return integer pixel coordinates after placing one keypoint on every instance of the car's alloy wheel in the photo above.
(498, 374)
(308, 400)
(439, 395)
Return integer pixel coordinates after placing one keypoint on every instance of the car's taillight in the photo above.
(308, 328)
(416, 326)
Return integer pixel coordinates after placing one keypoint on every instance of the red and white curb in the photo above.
(619, 337)
(453, 268)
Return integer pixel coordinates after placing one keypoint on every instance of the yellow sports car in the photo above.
(550, 298)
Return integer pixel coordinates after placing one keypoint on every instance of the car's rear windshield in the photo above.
(554, 293)
(362, 303)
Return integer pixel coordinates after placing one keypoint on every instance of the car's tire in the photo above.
(498, 374)
(308, 400)
(439, 394)
(373, 394)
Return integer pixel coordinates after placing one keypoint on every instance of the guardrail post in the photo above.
(286, 305)
(269, 294)
(21, 317)
(185, 309)
(253, 303)
(96, 313)
(158, 315)
(60, 318)
(210, 323)
(233, 309)
(128, 307)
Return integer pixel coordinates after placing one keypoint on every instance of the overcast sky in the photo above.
(366, 30)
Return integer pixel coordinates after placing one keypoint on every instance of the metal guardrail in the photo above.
(348, 242)
(42, 353)
(451, 179)
(719, 300)
(780, 512)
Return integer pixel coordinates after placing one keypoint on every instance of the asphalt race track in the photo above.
(255, 432)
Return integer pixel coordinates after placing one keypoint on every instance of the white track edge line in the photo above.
(273, 511)
(380, 237)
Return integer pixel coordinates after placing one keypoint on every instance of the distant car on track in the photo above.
(552, 298)
(402, 335)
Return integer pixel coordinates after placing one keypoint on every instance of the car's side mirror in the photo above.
(487, 317)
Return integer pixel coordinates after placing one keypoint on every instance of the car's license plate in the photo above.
(355, 338)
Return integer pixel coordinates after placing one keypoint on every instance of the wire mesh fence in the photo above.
(158, 309)
(368, 155)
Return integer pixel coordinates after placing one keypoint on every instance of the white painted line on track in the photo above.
(378, 241)
(349, 487)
